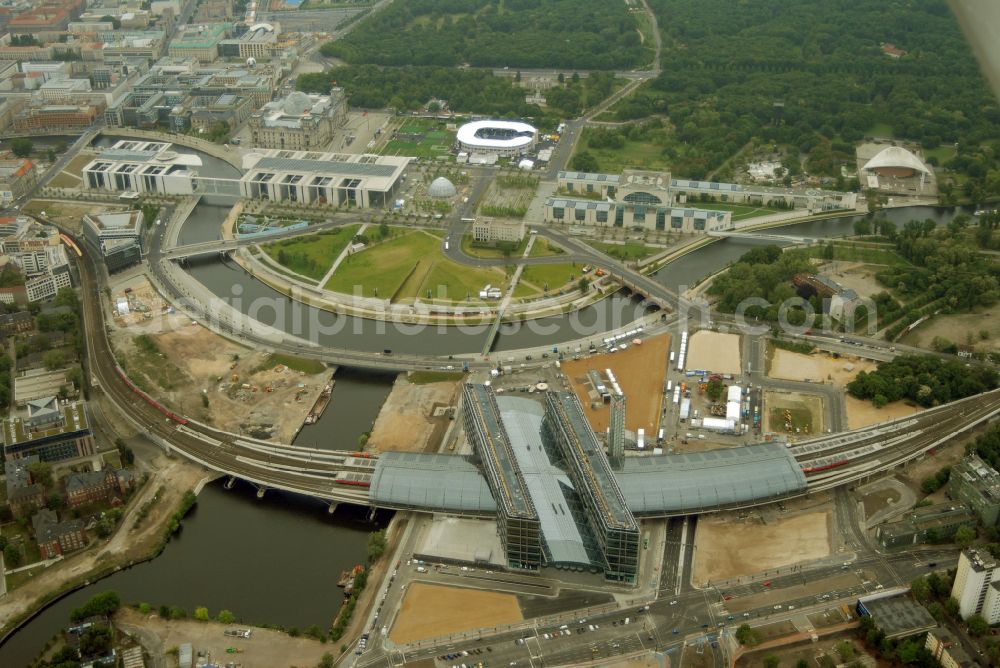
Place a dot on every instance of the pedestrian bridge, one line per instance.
(764, 236)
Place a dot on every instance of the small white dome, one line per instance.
(441, 187)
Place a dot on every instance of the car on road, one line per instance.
(673, 602)
(767, 583)
(777, 607)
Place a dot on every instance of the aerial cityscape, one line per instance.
(488, 333)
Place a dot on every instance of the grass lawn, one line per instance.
(69, 177)
(311, 255)
(553, 275)
(634, 154)
(740, 211)
(294, 363)
(942, 153)
(626, 252)
(523, 290)
(379, 271)
(489, 253)
(880, 130)
(406, 267)
(542, 248)
(433, 141)
(455, 282)
(851, 253)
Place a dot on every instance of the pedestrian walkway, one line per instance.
(340, 258)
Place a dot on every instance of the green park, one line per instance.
(312, 255)
(406, 267)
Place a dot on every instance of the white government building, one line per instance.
(655, 201)
(272, 174)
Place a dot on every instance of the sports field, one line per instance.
(429, 611)
(406, 267)
(421, 138)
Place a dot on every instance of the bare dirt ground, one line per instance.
(959, 329)
(727, 548)
(68, 214)
(129, 543)
(817, 367)
(796, 402)
(640, 371)
(714, 351)
(429, 611)
(863, 413)
(407, 421)
(265, 647)
(243, 395)
(855, 275)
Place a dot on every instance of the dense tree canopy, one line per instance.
(585, 34)
(987, 446)
(407, 88)
(761, 273)
(726, 64)
(928, 381)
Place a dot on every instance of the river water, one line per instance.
(276, 560)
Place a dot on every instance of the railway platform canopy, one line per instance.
(661, 485)
(431, 482)
(652, 486)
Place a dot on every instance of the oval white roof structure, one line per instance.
(896, 157)
(441, 187)
(496, 134)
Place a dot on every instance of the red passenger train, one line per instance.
(150, 400)
(825, 467)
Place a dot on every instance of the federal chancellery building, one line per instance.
(655, 201)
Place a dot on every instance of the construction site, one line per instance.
(416, 414)
(235, 389)
(640, 370)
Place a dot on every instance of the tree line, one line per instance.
(947, 273)
(927, 381)
(584, 34)
(764, 272)
(812, 76)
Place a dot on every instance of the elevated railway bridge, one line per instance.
(668, 484)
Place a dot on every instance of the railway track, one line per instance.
(343, 477)
(337, 477)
